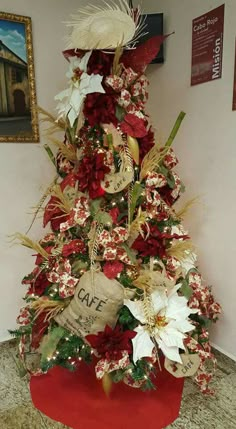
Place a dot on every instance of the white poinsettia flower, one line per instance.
(163, 320)
(80, 84)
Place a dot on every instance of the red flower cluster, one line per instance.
(133, 126)
(100, 109)
(165, 193)
(75, 246)
(38, 282)
(145, 144)
(112, 342)
(155, 244)
(112, 268)
(100, 63)
(91, 172)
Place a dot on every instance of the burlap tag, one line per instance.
(116, 182)
(187, 369)
(95, 304)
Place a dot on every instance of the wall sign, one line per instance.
(207, 46)
(234, 88)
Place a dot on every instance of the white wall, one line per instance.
(205, 146)
(25, 171)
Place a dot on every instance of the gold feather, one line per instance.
(27, 242)
(64, 204)
(52, 308)
(181, 249)
(138, 222)
(41, 202)
(67, 149)
(183, 211)
(150, 161)
(55, 125)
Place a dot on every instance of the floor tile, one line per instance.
(22, 417)
(13, 389)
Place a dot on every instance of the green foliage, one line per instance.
(126, 319)
(185, 289)
(50, 342)
(137, 191)
(175, 129)
(103, 218)
(95, 206)
(50, 154)
(131, 254)
(70, 346)
(117, 375)
(120, 113)
(141, 372)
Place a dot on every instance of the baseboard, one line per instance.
(5, 337)
(224, 352)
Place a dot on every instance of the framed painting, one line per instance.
(18, 105)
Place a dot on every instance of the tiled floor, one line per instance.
(197, 411)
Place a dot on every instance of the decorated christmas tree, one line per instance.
(115, 281)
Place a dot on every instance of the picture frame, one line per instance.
(18, 103)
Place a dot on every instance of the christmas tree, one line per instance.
(115, 281)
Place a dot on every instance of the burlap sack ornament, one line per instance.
(96, 303)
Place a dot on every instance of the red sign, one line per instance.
(207, 46)
(234, 89)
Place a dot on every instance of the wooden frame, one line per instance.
(18, 105)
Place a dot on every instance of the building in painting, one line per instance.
(14, 84)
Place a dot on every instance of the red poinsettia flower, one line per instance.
(155, 244)
(91, 172)
(75, 246)
(139, 58)
(114, 213)
(52, 212)
(112, 268)
(145, 144)
(40, 258)
(100, 109)
(133, 126)
(112, 342)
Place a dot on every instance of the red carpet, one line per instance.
(77, 400)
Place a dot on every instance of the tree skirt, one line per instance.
(77, 400)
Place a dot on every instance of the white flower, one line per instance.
(71, 99)
(163, 320)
